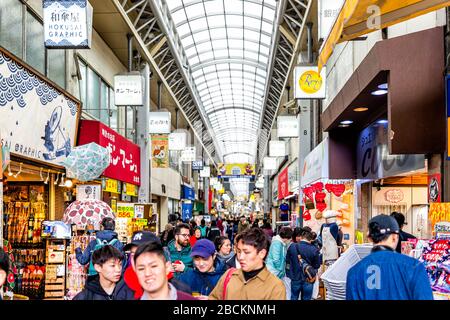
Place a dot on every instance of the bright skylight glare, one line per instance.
(227, 43)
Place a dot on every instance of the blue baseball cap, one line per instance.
(203, 248)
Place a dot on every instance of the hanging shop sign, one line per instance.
(197, 165)
(287, 127)
(130, 189)
(177, 141)
(38, 121)
(160, 152)
(283, 184)
(277, 148)
(186, 211)
(128, 90)
(159, 122)
(111, 185)
(373, 158)
(89, 191)
(270, 163)
(434, 188)
(188, 154)
(328, 12)
(293, 176)
(232, 170)
(67, 24)
(188, 193)
(125, 210)
(205, 172)
(125, 161)
(315, 165)
(439, 212)
(309, 84)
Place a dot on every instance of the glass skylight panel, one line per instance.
(200, 36)
(194, 10)
(178, 16)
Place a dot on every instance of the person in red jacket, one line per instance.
(132, 290)
(196, 236)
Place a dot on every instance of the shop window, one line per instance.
(93, 94)
(56, 66)
(113, 114)
(35, 49)
(11, 19)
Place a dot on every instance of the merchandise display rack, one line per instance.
(55, 279)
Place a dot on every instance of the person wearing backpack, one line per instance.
(106, 236)
(304, 261)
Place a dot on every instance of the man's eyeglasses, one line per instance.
(184, 235)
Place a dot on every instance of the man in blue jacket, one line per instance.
(386, 274)
(107, 235)
(208, 270)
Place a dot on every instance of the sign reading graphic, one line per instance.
(309, 84)
(89, 191)
(37, 120)
(67, 24)
(434, 188)
(236, 170)
(125, 162)
(373, 158)
(128, 90)
(160, 152)
(160, 122)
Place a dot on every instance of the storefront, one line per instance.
(38, 129)
(325, 187)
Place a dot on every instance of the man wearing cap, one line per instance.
(207, 269)
(386, 274)
(403, 236)
(131, 289)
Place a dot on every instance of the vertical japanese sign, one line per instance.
(283, 184)
(434, 188)
(160, 122)
(67, 24)
(160, 151)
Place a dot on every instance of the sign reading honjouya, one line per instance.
(125, 162)
(374, 160)
(37, 120)
(128, 90)
(67, 23)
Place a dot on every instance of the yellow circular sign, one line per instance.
(310, 82)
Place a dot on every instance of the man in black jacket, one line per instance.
(403, 236)
(103, 286)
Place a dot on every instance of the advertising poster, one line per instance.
(160, 151)
(125, 210)
(434, 188)
(236, 170)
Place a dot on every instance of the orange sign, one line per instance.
(439, 212)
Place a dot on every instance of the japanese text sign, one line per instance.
(159, 122)
(128, 90)
(125, 156)
(125, 210)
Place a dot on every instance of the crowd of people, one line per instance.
(241, 260)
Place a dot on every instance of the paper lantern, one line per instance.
(84, 212)
(87, 162)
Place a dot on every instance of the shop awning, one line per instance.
(353, 19)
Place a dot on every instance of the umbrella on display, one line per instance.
(84, 212)
(87, 162)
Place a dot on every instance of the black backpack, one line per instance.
(308, 271)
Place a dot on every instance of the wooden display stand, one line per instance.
(55, 257)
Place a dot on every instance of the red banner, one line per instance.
(125, 156)
(283, 184)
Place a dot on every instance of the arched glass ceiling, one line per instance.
(227, 44)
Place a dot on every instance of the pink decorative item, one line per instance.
(85, 212)
(320, 196)
(338, 189)
(321, 206)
